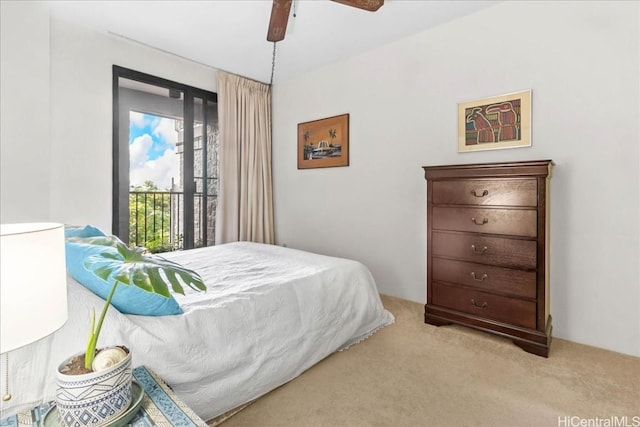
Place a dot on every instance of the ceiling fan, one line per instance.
(280, 15)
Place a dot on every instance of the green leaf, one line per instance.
(175, 283)
(103, 272)
(133, 267)
(192, 279)
(159, 285)
(140, 277)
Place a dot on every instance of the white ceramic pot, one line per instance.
(95, 398)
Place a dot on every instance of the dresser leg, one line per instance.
(435, 321)
(538, 350)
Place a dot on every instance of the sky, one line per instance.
(152, 150)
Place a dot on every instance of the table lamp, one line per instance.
(33, 285)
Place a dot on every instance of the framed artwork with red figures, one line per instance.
(502, 121)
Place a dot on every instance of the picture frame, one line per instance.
(502, 121)
(324, 143)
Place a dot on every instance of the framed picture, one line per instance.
(324, 143)
(498, 122)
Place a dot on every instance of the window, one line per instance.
(165, 162)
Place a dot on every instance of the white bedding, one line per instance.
(269, 314)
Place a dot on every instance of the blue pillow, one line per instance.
(86, 231)
(127, 299)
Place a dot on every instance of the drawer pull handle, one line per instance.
(484, 221)
(484, 193)
(483, 305)
(484, 276)
(481, 251)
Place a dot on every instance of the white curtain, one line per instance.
(245, 203)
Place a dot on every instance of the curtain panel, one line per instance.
(245, 197)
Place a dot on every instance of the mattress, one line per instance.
(269, 314)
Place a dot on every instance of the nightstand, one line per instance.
(160, 407)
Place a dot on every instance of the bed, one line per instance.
(269, 314)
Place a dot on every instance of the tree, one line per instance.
(150, 218)
(332, 133)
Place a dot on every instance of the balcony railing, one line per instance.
(156, 220)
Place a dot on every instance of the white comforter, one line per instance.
(269, 314)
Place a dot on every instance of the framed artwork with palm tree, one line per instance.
(498, 122)
(324, 143)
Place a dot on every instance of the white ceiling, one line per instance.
(230, 35)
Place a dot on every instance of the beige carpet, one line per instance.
(413, 374)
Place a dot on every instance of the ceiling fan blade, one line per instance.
(279, 19)
(370, 5)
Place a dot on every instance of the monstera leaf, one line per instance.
(133, 266)
(121, 265)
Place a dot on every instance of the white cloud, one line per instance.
(159, 170)
(165, 129)
(138, 150)
(137, 119)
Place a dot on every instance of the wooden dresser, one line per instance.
(487, 249)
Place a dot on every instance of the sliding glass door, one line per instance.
(165, 162)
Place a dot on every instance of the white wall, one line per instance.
(25, 143)
(581, 60)
(81, 111)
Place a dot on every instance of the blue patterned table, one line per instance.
(160, 407)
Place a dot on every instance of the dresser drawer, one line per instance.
(504, 252)
(485, 277)
(482, 304)
(506, 192)
(515, 222)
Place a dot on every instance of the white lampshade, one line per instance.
(33, 284)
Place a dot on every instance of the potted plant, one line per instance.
(94, 387)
